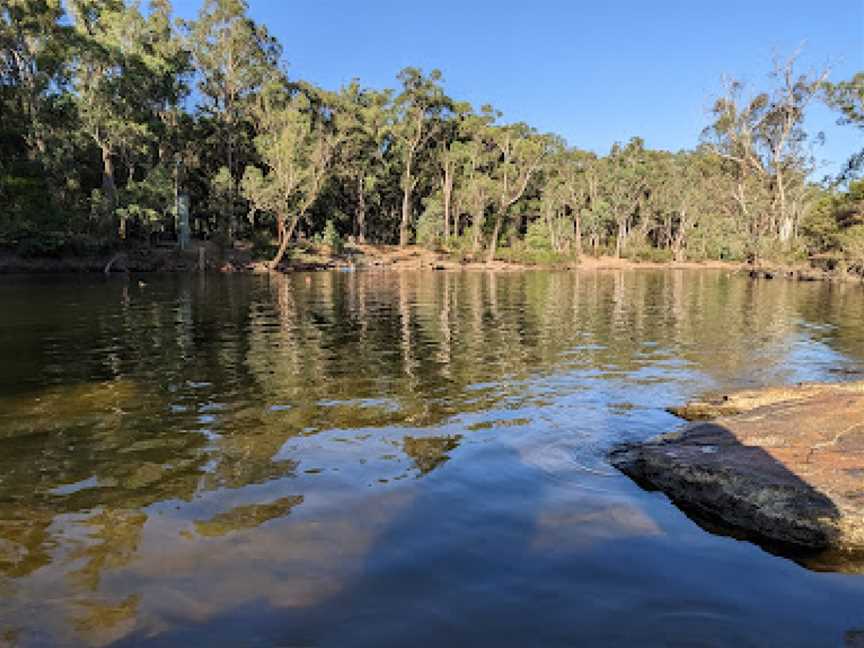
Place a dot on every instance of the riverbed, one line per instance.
(391, 458)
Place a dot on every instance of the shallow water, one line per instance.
(382, 459)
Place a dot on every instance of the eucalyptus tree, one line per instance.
(764, 138)
(671, 208)
(733, 136)
(421, 111)
(475, 190)
(33, 55)
(449, 156)
(102, 82)
(785, 137)
(129, 74)
(233, 57)
(574, 178)
(847, 97)
(554, 207)
(625, 184)
(520, 152)
(38, 175)
(596, 214)
(297, 145)
(562, 197)
(363, 120)
(473, 156)
(167, 55)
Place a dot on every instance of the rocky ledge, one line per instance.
(784, 466)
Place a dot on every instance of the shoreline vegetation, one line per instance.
(126, 131)
(204, 257)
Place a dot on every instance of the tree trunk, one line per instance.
(280, 230)
(619, 240)
(578, 234)
(493, 243)
(677, 243)
(286, 239)
(550, 226)
(407, 191)
(360, 216)
(787, 224)
(109, 187)
(447, 190)
(406, 218)
(477, 226)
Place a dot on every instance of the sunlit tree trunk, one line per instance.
(577, 233)
(109, 185)
(360, 216)
(493, 242)
(447, 191)
(407, 194)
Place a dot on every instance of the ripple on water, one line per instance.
(356, 452)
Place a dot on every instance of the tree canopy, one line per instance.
(110, 110)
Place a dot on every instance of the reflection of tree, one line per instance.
(103, 622)
(246, 517)
(10, 636)
(208, 384)
(430, 452)
(843, 306)
(111, 543)
(25, 542)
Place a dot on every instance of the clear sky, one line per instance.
(594, 72)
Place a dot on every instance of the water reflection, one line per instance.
(175, 453)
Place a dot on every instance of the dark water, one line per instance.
(390, 459)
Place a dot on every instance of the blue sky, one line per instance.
(594, 72)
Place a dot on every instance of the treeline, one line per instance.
(111, 112)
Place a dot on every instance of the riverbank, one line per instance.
(243, 258)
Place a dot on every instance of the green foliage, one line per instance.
(848, 98)
(537, 237)
(852, 246)
(262, 245)
(330, 237)
(520, 253)
(147, 204)
(45, 245)
(650, 254)
(96, 138)
(430, 225)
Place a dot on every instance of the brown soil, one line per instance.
(357, 256)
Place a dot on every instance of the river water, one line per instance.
(376, 459)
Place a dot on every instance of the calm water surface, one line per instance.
(379, 459)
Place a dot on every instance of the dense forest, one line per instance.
(109, 112)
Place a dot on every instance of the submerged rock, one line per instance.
(780, 465)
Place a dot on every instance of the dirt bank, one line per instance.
(307, 257)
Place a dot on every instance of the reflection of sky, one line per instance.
(313, 441)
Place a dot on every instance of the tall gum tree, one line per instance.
(33, 53)
(421, 109)
(847, 97)
(521, 152)
(116, 74)
(234, 56)
(764, 137)
(297, 145)
(363, 122)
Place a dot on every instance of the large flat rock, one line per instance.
(782, 465)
